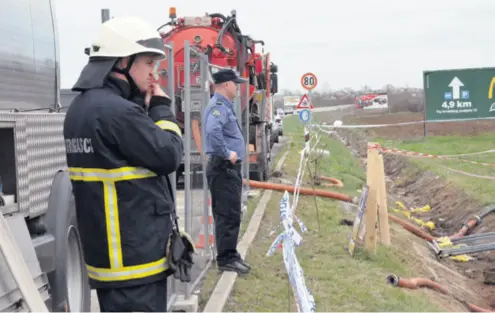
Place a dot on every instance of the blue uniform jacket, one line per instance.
(222, 131)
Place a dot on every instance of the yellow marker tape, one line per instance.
(407, 213)
(462, 258)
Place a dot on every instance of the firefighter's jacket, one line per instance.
(118, 158)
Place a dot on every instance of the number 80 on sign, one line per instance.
(309, 81)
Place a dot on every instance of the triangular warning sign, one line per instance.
(304, 103)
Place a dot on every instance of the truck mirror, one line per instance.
(274, 84)
(273, 68)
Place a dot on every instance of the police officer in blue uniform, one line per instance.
(225, 147)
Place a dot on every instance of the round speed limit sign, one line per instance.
(309, 81)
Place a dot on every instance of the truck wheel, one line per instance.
(69, 285)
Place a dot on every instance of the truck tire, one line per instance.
(69, 285)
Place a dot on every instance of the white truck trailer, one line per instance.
(37, 204)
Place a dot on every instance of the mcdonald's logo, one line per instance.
(490, 89)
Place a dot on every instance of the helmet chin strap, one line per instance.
(126, 72)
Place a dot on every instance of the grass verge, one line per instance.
(475, 187)
(481, 189)
(212, 276)
(337, 281)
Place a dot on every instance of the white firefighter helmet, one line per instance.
(118, 38)
(125, 36)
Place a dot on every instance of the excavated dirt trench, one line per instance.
(450, 205)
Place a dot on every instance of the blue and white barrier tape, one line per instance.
(304, 299)
(290, 238)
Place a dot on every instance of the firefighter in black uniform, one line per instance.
(119, 154)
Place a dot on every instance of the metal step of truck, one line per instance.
(19, 269)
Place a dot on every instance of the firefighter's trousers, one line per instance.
(150, 297)
(225, 184)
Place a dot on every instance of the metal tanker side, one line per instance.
(35, 191)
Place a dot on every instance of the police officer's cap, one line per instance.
(227, 75)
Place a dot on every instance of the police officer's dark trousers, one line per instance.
(225, 184)
(151, 297)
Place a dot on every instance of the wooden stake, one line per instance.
(371, 203)
(384, 229)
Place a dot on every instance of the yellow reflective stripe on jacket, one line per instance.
(128, 272)
(113, 175)
(109, 177)
(113, 225)
(167, 125)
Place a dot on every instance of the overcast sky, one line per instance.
(347, 43)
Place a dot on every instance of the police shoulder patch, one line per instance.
(216, 112)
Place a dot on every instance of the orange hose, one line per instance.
(303, 191)
(332, 185)
(415, 283)
(413, 229)
(418, 282)
(466, 228)
(335, 182)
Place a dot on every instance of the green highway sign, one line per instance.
(459, 94)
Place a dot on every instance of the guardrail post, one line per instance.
(186, 104)
(170, 90)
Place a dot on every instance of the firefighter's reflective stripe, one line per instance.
(113, 225)
(113, 175)
(167, 125)
(128, 272)
(117, 270)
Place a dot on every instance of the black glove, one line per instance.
(180, 255)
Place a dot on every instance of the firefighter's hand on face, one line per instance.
(154, 90)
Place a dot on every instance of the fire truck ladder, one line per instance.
(466, 245)
(19, 269)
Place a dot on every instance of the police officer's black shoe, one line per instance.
(234, 266)
(245, 264)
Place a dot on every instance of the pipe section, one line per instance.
(418, 282)
(334, 181)
(302, 190)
